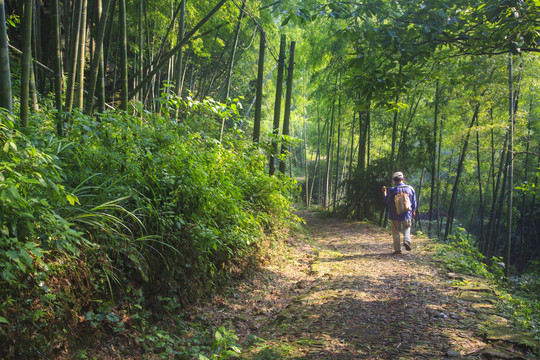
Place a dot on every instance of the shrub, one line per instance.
(124, 202)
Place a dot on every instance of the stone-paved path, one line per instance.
(369, 304)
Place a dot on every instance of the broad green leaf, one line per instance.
(72, 199)
(3, 320)
(218, 336)
(26, 257)
(15, 193)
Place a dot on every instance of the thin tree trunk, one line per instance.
(277, 106)
(336, 175)
(510, 154)
(108, 33)
(98, 56)
(5, 72)
(316, 166)
(82, 56)
(525, 176)
(498, 229)
(140, 55)
(36, 76)
(330, 134)
(434, 157)
(364, 115)
(179, 73)
(69, 12)
(287, 112)
(57, 67)
(306, 169)
(350, 170)
(402, 147)
(453, 199)
(124, 96)
(258, 96)
(419, 199)
(75, 34)
(26, 66)
(33, 87)
(490, 236)
(439, 180)
(233, 51)
(479, 173)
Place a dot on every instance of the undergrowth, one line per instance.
(519, 296)
(115, 227)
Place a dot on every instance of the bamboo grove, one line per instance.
(399, 96)
(334, 95)
(370, 94)
(448, 94)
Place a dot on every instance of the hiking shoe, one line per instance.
(397, 252)
(407, 246)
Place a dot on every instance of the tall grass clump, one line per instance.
(125, 207)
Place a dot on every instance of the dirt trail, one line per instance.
(368, 304)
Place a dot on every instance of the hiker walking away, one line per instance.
(402, 208)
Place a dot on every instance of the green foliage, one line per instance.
(461, 255)
(224, 345)
(521, 300)
(30, 228)
(519, 296)
(123, 200)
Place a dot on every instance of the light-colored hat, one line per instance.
(398, 175)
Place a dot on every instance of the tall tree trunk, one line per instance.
(5, 72)
(498, 227)
(459, 170)
(69, 13)
(74, 51)
(258, 96)
(350, 170)
(434, 157)
(316, 166)
(402, 147)
(419, 199)
(329, 153)
(306, 169)
(277, 106)
(233, 51)
(124, 97)
(364, 118)
(336, 175)
(510, 154)
(82, 56)
(98, 56)
(179, 72)
(479, 174)
(26, 66)
(491, 236)
(439, 180)
(140, 55)
(524, 204)
(36, 76)
(57, 62)
(108, 33)
(287, 113)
